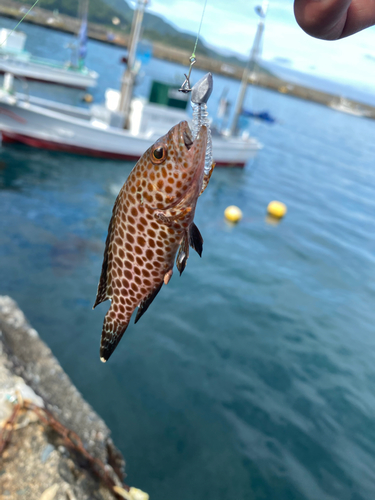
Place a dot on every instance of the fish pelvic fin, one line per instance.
(104, 292)
(195, 239)
(112, 333)
(145, 304)
(183, 253)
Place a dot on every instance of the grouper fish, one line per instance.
(152, 220)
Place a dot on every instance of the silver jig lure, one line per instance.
(200, 94)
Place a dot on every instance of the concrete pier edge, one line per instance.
(34, 461)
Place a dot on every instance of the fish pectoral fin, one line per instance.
(206, 178)
(169, 220)
(145, 304)
(111, 335)
(195, 239)
(183, 253)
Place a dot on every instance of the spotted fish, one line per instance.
(152, 220)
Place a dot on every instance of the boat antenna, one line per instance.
(251, 63)
(19, 22)
(185, 87)
(128, 78)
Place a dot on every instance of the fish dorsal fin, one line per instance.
(102, 293)
(144, 305)
(195, 239)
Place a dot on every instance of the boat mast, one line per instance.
(254, 54)
(130, 72)
(81, 47)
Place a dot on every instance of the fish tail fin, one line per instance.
(112, 332)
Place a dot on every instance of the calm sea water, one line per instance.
(252, 376)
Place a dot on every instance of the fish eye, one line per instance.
(159, 154)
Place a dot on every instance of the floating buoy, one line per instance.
(233, 213)
(276, 209)
(88, 98)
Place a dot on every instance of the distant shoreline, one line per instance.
(67, 24)
(98, 32)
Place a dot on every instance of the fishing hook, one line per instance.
(185, 87)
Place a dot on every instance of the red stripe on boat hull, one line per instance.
(11, 137)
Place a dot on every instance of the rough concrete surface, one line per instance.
(36, 464)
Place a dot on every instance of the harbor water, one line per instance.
(252, 375)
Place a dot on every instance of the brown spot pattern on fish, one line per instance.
(152, 216)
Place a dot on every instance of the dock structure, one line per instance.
(46, 426)
(61, 22)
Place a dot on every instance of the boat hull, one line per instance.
(11, 138)
(48, 74)
(37, 126)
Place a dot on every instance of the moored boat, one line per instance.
(346, 106)
(122, 128)
(20, 63)
(98, 132)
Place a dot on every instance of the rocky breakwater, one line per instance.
(52, 443)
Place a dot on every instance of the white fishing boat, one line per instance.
(20, 63)
(122, 128)
(98, 132)
(346, 106)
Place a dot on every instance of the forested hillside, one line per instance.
(155, 28)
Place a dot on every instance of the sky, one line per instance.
(231, 25)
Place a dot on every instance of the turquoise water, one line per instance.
(251, 376)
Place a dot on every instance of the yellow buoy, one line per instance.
(87, 98)
(233, 213)
(277, 209)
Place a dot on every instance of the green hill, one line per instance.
(99, 11)
(154, 28)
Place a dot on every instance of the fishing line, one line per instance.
(199, 31)
(19, 22)
(185, 87)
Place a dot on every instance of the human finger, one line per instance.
(334, 19)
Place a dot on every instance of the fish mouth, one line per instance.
(183, 136)
(187, 138)
(191, 155)
(195, 149)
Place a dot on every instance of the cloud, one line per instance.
(232, 26)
